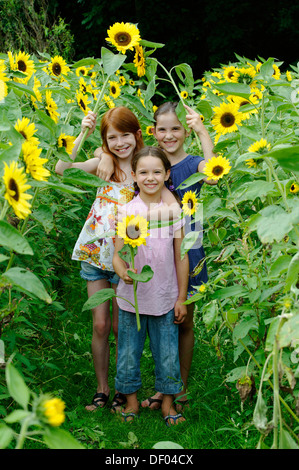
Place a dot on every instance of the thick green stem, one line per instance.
(135, 291)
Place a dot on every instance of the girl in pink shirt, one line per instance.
(160, 300)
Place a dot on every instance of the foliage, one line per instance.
(250, 304)
(28, 25)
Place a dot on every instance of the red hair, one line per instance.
(123, 120)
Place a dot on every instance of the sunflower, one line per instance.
(216, 168)
(16, 187)
(34, 163)
(58, 66)
(66, 141)
(139, 61)
(38, 95)
(82, 101)
(260, 146)
(123, 36)
(3, 89)
(228, 73)
(250, 162)
(227, 118)
(51, 107)
(122, 80)
(133, 229)
(240, 101)
(110, 103)
(184, 94)
(114, 89)
(81, 71)
(190, 202)
(289, 76)
(244, 75)
(84, 87)
(27, 130)
(22, 63)
(149, 130)
(294, 188)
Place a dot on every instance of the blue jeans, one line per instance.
(89, 272)
(163, 334)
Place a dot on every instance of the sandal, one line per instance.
(174, 417)
(100, 400)
(119, 399)
(154, 400)
(125, 416)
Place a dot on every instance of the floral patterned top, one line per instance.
(96, 242)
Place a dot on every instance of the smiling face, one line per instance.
(150, 176)
(121, 144)
(170, 134)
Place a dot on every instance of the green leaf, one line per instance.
(111, 62)
(145, 275)
(210, 314)
(27, 282)
(289, 332)
(136, 103)
(16, 415)
(238, 89)
(286, 441)
(44, 216)
(167, 445)
(266, 70)
(243, 327)
(280, 265)
(195, 178)
(11, 239)
(146, 43)
(274, 224)
(185, 74)
(287, 157)
(232, 291)
(6, 435)
(12, 153)
(56, 438)
(188, 241)
(58, 186)
(16, 385)
(99, 298)
(21, 87)
(293, 272)
(260, 414)
(81, 177)
(251, 190)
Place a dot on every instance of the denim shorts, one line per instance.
(92, 273)
(163, 334)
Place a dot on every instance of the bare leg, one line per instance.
(131, 406)
(100, 337)
(169, 411)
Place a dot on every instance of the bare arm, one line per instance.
(90, 166)
(182, 271)
(194, 122)
(105, 167)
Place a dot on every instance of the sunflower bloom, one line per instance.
(110, 103)
(27, 129)
(216, 168)
(226, 118)
(228, 73)
(66, 141)
(114, 89)
(34, 163)
(83, 102)
(133, 230)
(51, 107)
(38, 94)
(84, 87)
(15, 189)
(123, 36)
(149, 130)
(3, 89)
(244, 75)
(250, 162)
(190, 203)
(58, 66)
(139, 61)
(261, 146)
(54, 411)
(22, 63)
(184, 94)
(294, 188)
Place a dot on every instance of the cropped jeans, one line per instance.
(163, 335)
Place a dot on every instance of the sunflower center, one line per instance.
(63, 142)
(113, 90)
(82, 104)
(133, 232)
(227, 119)
(123, 39)
(56, 69)
(230, 74)
(14, 187)
(23, 134)
(190, 203)
(217, 170)
(22, 66)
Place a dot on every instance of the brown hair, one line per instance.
(153, 152)
(123, 120)
(168, 107)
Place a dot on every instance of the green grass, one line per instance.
(56, 357)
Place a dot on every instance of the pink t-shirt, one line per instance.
(157, 296)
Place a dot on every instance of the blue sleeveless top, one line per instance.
(179, 173)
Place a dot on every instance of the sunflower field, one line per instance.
(247, 313)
